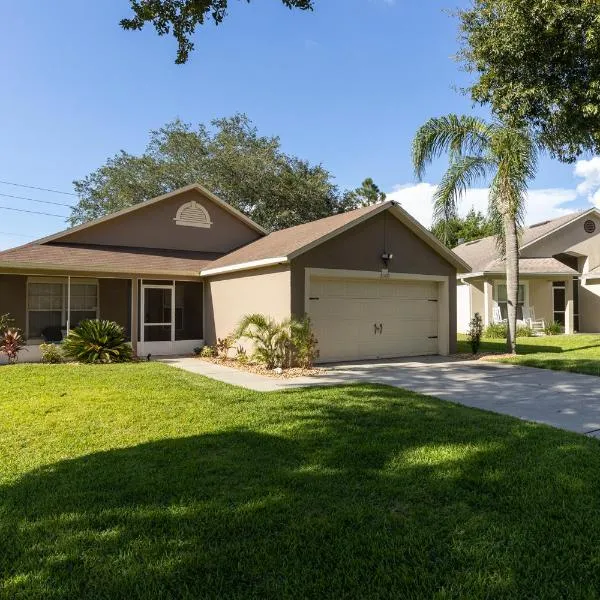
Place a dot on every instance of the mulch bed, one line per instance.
(262, 370)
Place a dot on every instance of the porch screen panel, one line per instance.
(188, 310)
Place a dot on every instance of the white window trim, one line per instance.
(64, 310)
(498, 282)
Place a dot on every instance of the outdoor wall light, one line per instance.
(386, 257)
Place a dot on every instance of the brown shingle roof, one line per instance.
(113, 259)
(482, 254)
(284, 242)
(533, 265)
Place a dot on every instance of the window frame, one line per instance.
(64, 282)
(524, 284)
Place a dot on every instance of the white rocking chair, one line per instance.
(538, 325)
(497, 316)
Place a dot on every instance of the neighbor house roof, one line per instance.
(533, 265)
(111, 259)
(483, 255)
(282, 246)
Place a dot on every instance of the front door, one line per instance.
(158, 316)
(559, 296)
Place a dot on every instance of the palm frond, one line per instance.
(462, 173)
(452, 134)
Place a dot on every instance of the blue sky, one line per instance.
(346, 85)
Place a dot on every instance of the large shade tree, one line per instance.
(458, 230)
(494, 153)
(228, 156)
(537, 63)
(181, 17)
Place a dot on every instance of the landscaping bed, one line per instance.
(259, 369)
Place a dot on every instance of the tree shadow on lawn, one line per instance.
(384, 495)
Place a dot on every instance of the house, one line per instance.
(181, 270)
(559, 275)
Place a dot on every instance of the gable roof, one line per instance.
(114, 215)
(483, 255)
(284, 245)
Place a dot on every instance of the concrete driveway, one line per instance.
(565, 400)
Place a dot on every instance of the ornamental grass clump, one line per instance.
(96, 341)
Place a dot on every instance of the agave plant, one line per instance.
(11, 343)
(94, 341)
(270, 339)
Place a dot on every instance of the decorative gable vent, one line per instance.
(589, 226)
(193, 214)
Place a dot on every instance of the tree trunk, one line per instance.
(512, 280)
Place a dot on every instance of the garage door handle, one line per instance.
(380, 328)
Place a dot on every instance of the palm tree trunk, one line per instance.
(512, 279)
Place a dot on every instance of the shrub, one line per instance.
(553, 328)
(51, 353)
(197, 350)
(475, 332)
(95, 341)
(208, 352)
(270, 339)
(525, 331)
(495, 331)
(11, 343)
(6, 322)
(303, 343)
(224, 345)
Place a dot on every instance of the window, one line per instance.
(501, 299)
(47, 305)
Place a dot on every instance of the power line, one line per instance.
(35, 200)
(34, 187)
(32, 212)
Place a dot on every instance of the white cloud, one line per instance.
(589, 170)
(542, 204)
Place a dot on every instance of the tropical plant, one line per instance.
(224, 345)
(480, 151)
(553, 328)
(11, 343)
(6, 321)
(304, 350)
(525, 331)
(97, 341)
(475, 332)
(269, 338)
(51, 353)
(208, 352)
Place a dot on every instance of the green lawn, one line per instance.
(578, 353)
(140, 481)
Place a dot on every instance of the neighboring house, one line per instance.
(559, 275)
(182, 269)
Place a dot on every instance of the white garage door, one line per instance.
(361, 319)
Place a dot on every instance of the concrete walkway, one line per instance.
(565, 400)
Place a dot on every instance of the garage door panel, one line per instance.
(344, 314)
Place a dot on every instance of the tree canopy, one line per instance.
(537, 63)
(181, 17)
(457, 230)
(231, 159)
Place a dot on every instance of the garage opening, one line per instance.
(356, 319)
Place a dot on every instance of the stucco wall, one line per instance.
(230, 297)
(540, 297)
(13, 298)
(360, 249)
(589, 308)
(571, 238)
(154, 227)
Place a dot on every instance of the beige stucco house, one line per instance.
(559, 275)
(181, 270)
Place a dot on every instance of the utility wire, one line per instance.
(34, 200)
(32, 212)
(34, 187)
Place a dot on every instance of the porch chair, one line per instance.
(537, 325)
(497, 315)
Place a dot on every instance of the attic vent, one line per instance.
(193, 214)
(589, 226)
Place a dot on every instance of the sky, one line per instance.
(346, 85)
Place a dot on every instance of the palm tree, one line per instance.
(503, 156)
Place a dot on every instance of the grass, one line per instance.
(578, 353)
(141, 481)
